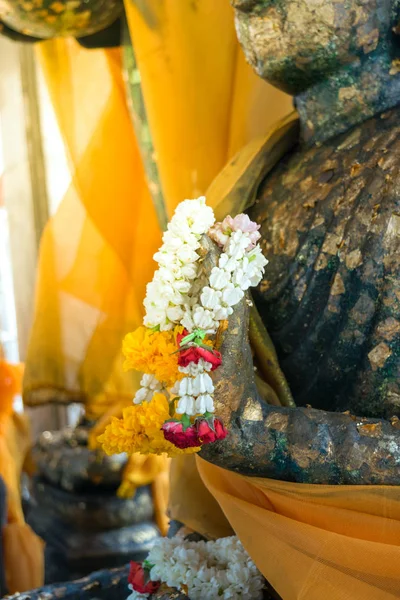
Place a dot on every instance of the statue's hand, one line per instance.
(240, 394)
(281, 442)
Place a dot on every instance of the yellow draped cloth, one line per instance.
(203, 103)
(314, 542)
(23, 550)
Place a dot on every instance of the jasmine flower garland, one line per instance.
(240, 266)
(168, 295)
(214, 569)
(174, 348)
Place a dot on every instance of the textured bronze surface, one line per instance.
(292, 444)
(52, 18)
(330, 299)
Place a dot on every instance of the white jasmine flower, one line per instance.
(182, 286)
(164, 258)
(256, 258)
(186, 254)
(255, 280)
(223, 259)
(174, 313)
(155, 317)
(193, 369)
(198, 215)
(213, 569)
(231, 264)
(204, 403)
(187, 321)
(150, 382)
(157, 294)
(237, 244)
(171, 242)
(150, 385)
(189, 271)
(231, 295)
(186, 386)
(203, 318)
(241, 279)
(186, 405)
(222, 313)
(219, 278)
(163, 275)
(202, 384)
(210, 298)
(143, 394)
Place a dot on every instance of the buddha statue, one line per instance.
(329, 216)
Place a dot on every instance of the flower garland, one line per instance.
(214, 569)
(175, 346)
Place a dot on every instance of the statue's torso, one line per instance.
(330, 225)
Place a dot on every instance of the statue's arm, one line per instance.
(292, 444)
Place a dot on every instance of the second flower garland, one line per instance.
(173, 411)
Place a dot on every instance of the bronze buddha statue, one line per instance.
(330, 223)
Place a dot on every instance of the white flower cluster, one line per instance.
(215, 569)
(195, 390)
(150, 386)
(167, 295)
(238, 269)
(176, 295)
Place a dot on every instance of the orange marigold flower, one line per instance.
(139, 430)
(152, 352)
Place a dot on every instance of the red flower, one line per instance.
(195, 353)
(175, 433)
(210, 430)
(139, 579)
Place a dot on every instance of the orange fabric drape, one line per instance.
(315, 541)
(23, 550)
(95, 256)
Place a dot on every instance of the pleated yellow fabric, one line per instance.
(315, 541)
(95, 257)
(96, 252)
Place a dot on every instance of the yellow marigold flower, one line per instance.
(139, 430)
(152, 352)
